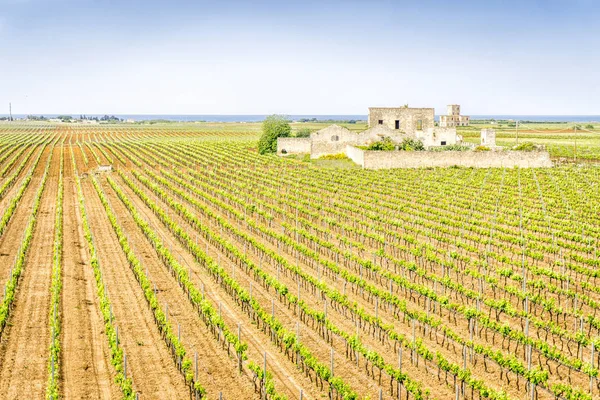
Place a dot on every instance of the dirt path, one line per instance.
(285, 373)
(87, 373)
(25, 345)
(218, 371)
(148, 359)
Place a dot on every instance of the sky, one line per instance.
(527, 57)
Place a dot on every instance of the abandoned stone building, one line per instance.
(395, 123)
(338, 140)
(406, 119)
(453, 117)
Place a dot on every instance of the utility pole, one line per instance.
(575, 154)
(517, 134)
(10, 111)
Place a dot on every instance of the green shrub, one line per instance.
(527, 146)
(589, 126)
(385, 144)
(482, 148)
(273, 127)
(303, 132)
(411, 145)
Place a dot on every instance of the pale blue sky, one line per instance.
(308, 57)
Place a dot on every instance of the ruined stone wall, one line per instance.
(438, 136)
(355, 154)
(408, 118)
(331, 140)
(293, 146)
(421, 159)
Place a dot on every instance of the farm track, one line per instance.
(87, 373)
(217, 371)
(25, 345)
(288, 376)
(149, 362)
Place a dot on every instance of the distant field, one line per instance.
(561, 139)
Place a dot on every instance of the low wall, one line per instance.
(293, 145)
(356, 155)
(319, 149)
(420, 159)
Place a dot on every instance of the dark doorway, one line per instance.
(397, 124)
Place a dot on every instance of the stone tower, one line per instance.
(453, 109)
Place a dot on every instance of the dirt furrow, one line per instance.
(87, 373)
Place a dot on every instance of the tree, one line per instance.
(303, 132)
(273, 127)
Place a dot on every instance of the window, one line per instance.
(335, 138)
(443, 142)
(420, 125)
(380, 122)
(397, 126)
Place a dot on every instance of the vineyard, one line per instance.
(198, 268)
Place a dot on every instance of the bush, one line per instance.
(589, 126)
(411, 145)
(303, 132)
(525, 147)
(482, 148)
(385, 144)
(273, 127)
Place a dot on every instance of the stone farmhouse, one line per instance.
(396, 123)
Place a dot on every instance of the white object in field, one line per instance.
(104, 168)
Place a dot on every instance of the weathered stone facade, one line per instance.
(405, 119)
(290, 145)
(422, 159)
(378, 132)
(453, 117)
(331, 140)
(488, 138)
(434, 137)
